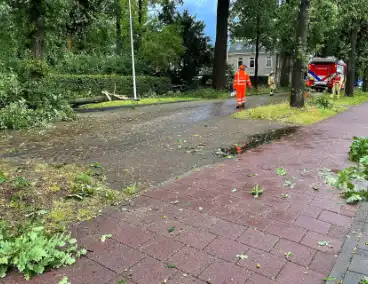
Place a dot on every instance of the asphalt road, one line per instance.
(149, 144)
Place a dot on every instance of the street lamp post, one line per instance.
(132, 49)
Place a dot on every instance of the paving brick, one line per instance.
(199, 220)
(323, 263)
(256, 208)
(195, 237)
(161, 247)
(259, 279)
(227, 199)
(180, 199)
(121, 279)
(114, 255)
(275, 202)
(301, 254)
(312, 224)
(202, 205)
(334, 218)
(158, 194)
(349, 210)
(221, 272)
(311, 211)
(259, 240)
(227, 213)
(359, 264)
(84, 271)
(283, 216)
(201, 183)
(269, 264)
(164, 228)
(191, 261)
(226, 249)
(255, 221)
(198, 192)
(338, 232)
(311, 239)
(227, 229)
(326, 204)
(183, 278)
(131, 235)
(287, 231)
(150, 270)
(296, 274)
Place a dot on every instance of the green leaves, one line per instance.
(358, 149)
(257, 191)
(171, 229)
(281, 172)
(104, 237)
(65, 280)
(34, 251)
(323, 243)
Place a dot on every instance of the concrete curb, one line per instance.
(343, 269)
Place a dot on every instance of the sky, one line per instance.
(204, 10)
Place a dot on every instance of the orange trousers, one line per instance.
(240, 94)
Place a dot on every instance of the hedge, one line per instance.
(76, 86)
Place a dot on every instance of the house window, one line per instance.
(240, 61)
(251, 62)
(268, 62)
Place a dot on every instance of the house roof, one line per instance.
(241, 47)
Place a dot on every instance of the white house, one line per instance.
(242, 54)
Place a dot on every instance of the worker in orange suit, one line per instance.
(241, 81)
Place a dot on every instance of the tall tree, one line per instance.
(219, 65)
(353, 14)
(253, 20)
(297, 84)
(119, 39)
(37, 21)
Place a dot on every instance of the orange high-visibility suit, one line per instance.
(241, 81)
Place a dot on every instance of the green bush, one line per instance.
(100, 64)
(71, 86)
(358, 149)
(18, 115)
(10, 88)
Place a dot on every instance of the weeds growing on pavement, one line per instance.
(353, 181)
(38, 204)
(32, 250)
(257, 191)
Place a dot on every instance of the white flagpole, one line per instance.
(132, 48)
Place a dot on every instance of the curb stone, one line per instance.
(344, 266)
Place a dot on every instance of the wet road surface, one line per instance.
(149, 144)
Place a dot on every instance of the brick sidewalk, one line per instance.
(192, 230)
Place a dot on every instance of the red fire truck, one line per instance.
(322, 72)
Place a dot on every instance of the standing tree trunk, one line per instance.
(365, 79)
(258, 35)
(140, 12)
(297, 84)
(219, 66)
(285, 70)
(349, 88)
(119, 40)
(37, 34)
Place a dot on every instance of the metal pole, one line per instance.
(132, 47)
